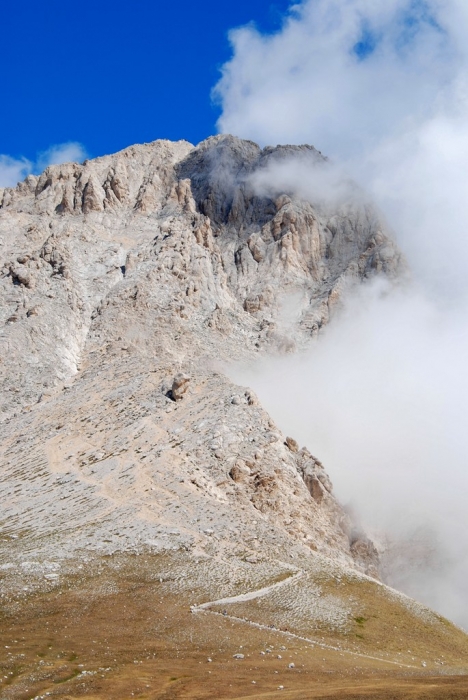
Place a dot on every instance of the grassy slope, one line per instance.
(121, 627)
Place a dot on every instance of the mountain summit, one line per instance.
(128, 280)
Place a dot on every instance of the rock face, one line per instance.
(127, 282)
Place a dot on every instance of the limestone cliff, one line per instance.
(127, 282)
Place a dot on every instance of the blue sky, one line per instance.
(110, 73)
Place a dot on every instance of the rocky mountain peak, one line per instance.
(128, 282)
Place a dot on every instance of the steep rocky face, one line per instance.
(126, 282)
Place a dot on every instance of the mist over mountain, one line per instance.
(382, 91)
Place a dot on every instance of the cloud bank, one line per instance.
(382, 398)
(345, 73)
(13, 170)
(383, 90)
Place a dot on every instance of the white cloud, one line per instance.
(12, 170)
(311, 83)
(382, 88)
(382, 400)
(307, 176)
(71, 152)
(396, 117)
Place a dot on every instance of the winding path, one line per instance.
(260, 593)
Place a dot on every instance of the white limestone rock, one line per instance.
(121, 278)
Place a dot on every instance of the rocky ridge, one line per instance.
(128, 282)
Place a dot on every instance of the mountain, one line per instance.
(129, 284)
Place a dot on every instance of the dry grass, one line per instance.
(118, 632)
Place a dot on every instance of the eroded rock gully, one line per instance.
(126, 282)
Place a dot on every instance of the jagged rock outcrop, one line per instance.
(126, 281)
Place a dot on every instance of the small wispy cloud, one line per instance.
(13, 170)
(71, 152)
